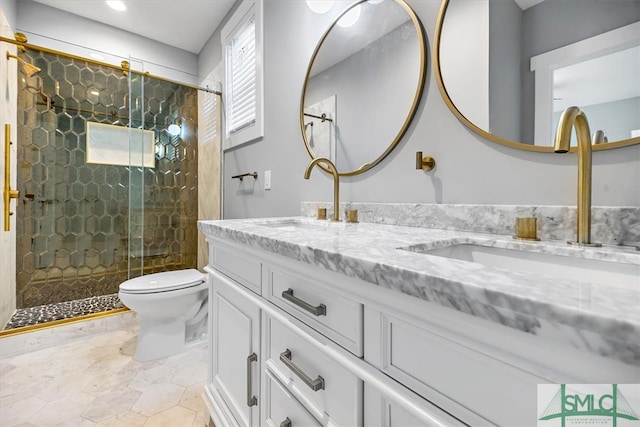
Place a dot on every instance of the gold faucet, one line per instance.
(570, 118)
(336, 182)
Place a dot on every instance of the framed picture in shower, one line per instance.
(119, 145)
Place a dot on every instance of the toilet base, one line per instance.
(171, 308)
(160, 338)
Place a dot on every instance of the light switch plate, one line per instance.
(267, 180)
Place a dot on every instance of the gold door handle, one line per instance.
(8, 193)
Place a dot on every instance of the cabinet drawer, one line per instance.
(380, 411)
(335, 316)
(329, 391)
(282, 409)
(243, 268)
(424, 361)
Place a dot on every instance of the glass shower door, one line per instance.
(72, 212)
(108, 186)
(164, 179)
(139, 160)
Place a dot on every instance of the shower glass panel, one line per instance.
(163, 192)
(89, 219)
(136, 217)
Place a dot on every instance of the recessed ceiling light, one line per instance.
(320, 6)
(117, 5)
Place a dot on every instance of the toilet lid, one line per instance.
(163, 282)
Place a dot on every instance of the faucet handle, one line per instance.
(352, 215)
(526, 228)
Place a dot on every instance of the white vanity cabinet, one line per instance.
(441, 367)
(483, 373)
(235, 347)
(287, 349)
(294, 344)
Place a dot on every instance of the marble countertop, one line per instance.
(601, 318)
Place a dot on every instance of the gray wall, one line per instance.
(504, 68)
(553, 24)
(210, 56)
(470, 169)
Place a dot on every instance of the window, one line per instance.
(208, 110)
(242, 46)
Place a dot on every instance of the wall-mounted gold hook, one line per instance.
(425, 163)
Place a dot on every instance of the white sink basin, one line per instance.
(560, 266)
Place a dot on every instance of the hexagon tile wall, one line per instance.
(84, 228)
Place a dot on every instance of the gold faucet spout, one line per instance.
(336, 182)
(572, 118)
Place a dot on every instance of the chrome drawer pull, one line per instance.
(286, 423)
(320, 310)
(315, 385)
(251, 400)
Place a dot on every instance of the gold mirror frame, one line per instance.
(483, 133)
(414, 105)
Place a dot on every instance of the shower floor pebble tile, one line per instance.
(63, 310)
(94, 381)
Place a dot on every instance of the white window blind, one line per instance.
(243, 94)
(209, 113)
(241, 87)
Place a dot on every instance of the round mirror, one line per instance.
(508, 68)
(363, 85)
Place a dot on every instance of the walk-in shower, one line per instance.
(90, 214)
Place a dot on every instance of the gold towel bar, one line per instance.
(8, 192)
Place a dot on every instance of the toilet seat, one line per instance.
(163, 282)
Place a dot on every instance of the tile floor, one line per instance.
(94, 381)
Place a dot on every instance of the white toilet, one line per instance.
(171, 308)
